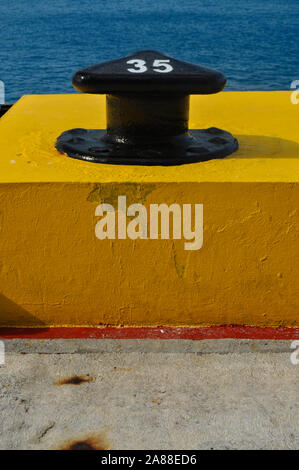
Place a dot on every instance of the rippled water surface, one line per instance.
(254, 42)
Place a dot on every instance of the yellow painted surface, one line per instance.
(265, 123)
(55, 272)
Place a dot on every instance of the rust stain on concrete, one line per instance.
(92, 442)
(75, 380)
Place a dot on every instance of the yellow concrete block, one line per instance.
(54, 271)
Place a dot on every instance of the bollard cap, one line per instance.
(147, 113)
(148, 71)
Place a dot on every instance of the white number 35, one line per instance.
(159, 65)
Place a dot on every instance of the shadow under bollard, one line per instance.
(257, 146)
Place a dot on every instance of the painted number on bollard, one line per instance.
(159, 65)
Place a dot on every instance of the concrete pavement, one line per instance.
(148, 394)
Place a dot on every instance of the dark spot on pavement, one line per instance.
(90, 443)
(81, 445)
(75, 380)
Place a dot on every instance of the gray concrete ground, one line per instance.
(149, 394)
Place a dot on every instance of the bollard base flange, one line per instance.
(95, 145)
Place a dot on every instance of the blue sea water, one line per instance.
(254, 42)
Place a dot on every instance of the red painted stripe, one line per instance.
(209, 332)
